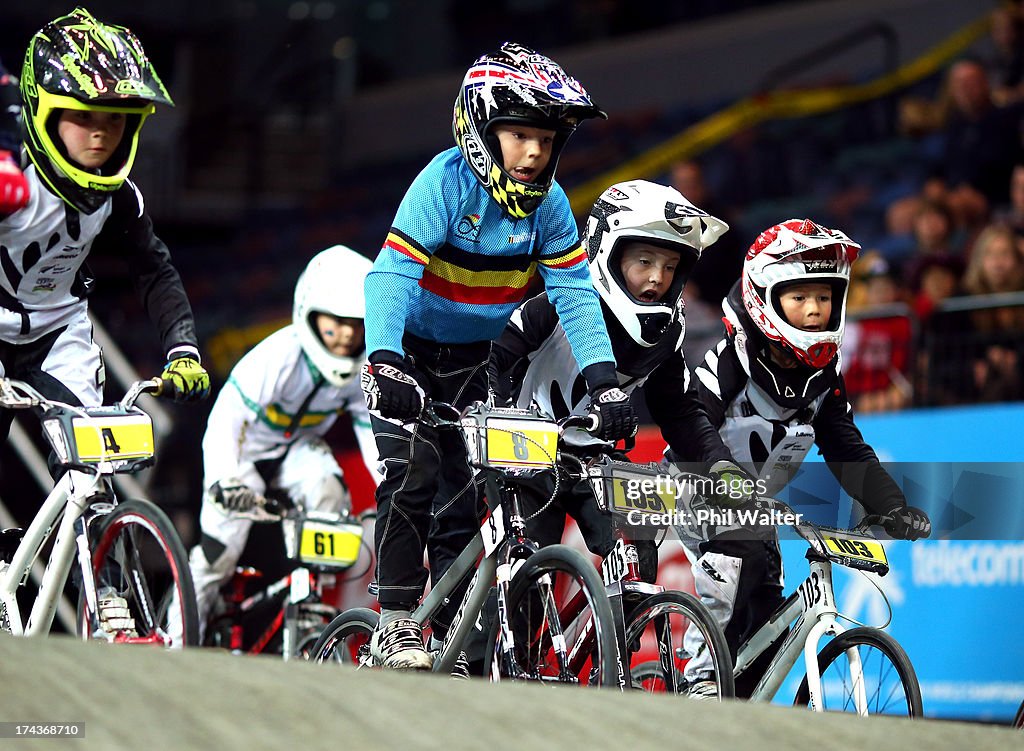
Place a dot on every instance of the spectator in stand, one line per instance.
(982, 139)
(713, 277)
(933, 233)
(1012, 214)
(997, 266)
(877, 347)
(943, 347)
(1007, 62)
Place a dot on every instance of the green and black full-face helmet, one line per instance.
(79, 63)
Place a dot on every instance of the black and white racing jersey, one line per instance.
(531, 362)
(43, 251)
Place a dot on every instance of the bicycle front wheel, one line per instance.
(889, 682)
(665, 626)
(346, 639)
(1018, 719)
(138, 559)
(549, 641)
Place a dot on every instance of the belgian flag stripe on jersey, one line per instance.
(574, 256)
(455, 274)
(402, 243)
(469, 293)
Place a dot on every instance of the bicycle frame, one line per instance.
(812, 612)
(66, 502)
(295, 587)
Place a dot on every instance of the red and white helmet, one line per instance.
(798, 251)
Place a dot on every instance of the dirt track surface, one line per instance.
(146, 700)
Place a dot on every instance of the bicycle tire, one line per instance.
(1018, 719)
(879, 680)
(137, 551)
(535, 658)
(648, 614)
(346, 639)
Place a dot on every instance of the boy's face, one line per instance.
(90, 137)
(808, 307)
(343, 337)
(648, 270)
(525, 150)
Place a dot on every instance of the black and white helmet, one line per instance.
(656, 214)
(331, 283)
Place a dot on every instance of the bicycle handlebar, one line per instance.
(16, 394)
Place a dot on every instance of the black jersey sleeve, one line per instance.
(530, 325)
(128, 234)
(676, 406)
(849, 457)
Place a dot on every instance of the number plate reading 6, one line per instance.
(852, 547)
(521, 443)
(336, 545)
(109, 438)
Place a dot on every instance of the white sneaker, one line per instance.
(114, 615)
(703, 690)
(399, 646)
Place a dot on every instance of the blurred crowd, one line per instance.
(933, 318)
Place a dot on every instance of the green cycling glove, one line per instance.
(184, 379)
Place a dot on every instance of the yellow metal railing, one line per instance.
(714, 129)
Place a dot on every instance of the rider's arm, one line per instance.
(676, 407)
(128, 233)
(569, 284)
(850, 458)
(419, 228)
(529, 326)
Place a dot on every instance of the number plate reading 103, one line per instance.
(521, 443)
(642, 494)
(854, 547)
(336, 545)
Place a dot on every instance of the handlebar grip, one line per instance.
(590, 422)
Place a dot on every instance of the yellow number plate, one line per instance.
(645, 496)
(334, 544)
(521, 443)
(855, 547)
(100, 439)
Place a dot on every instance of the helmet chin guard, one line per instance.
(332, 283)
(793, 252)
(646, 212)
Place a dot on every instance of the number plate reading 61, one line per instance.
(521, 443)
(333, 545)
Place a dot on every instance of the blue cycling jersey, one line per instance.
(455, 265)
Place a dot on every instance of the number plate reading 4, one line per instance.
(864, 550)
(521, 443)
(337, 545)
(109, 438)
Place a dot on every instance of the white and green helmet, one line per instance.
(79, 63)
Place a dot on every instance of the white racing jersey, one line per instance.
(265, 407)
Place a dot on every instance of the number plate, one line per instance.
(641, 495)
(856, 547)
(521, 443)
(615, 565)
(330, 544)
(104, 439)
